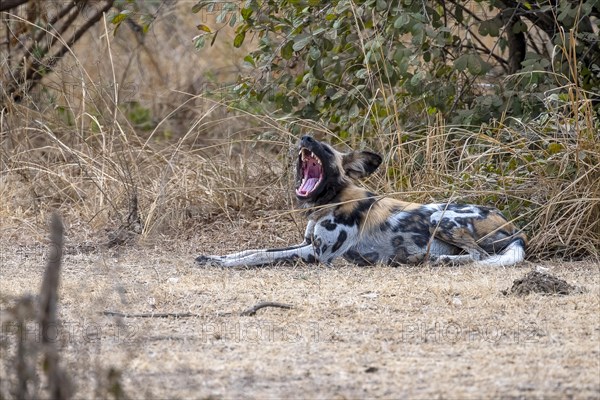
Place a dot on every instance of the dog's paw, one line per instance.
(209, 261)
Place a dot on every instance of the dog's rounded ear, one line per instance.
(360, 164)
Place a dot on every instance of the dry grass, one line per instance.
(164, 137)
(354, 332)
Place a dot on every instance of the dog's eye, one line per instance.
(327, 150)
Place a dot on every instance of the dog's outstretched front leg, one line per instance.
(303, 251)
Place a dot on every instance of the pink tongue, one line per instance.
(308, 185)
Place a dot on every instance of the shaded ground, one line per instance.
(417, 332)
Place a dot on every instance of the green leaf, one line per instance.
(287, 51)
(199, 41)
(361, 73)
(490, 27)
(459, 14)
(339, 94)
(472, 63)
(519, 27)
(301, 43)
(250, 60)
(461, 62)
(200, 5)
(246, 13)
(477, 66)
(203, 28)
(418, 78)
(314, 53)
(239, 39)
(401, 21)
(318, 70)
(484, 28)
(554, 148)
(120, 17)
(318, 31)
(354, 111)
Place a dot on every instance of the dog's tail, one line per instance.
(512, 254)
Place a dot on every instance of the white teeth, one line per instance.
(303, 155)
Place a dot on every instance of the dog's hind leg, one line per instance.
(489, 240)
(461, 238)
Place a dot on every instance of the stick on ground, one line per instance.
(248, 312)
(149, 315)
(252, 310)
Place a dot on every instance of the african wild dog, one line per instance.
(346, 220)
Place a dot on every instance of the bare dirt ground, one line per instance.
(381, 332)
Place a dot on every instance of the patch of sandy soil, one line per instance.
(409, 332)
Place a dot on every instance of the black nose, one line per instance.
(307, 139)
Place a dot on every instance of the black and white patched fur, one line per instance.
(350, 222)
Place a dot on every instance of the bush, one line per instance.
(361, 67)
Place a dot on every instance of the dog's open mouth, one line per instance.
(310, 171)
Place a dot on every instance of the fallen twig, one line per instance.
(149, 315)
(252, 310)
(248, 312)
